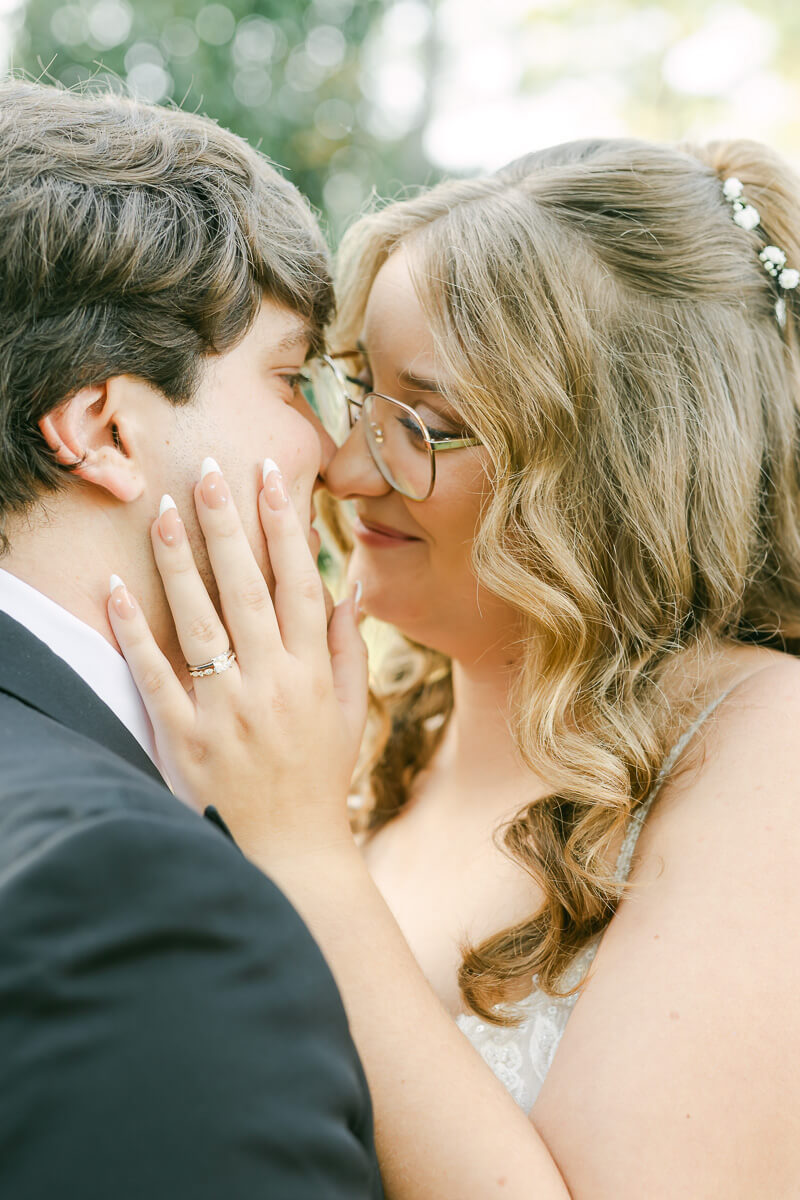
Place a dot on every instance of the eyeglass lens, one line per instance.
(326, 392)
(399, 446)
(395, 435)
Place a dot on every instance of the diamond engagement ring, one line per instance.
(216, 666)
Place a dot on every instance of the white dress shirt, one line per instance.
(85, 650)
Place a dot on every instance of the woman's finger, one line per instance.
(244, 596)
(299, 593)
(200, 631)
(349, 664)
(167, 704)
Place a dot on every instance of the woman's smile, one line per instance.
(373, 533)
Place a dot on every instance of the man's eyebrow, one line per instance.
(301, 333)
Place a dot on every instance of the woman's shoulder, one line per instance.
(691, 1010)
(739, 776)
(755, 672)
(751, 733)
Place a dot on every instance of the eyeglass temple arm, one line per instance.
(455, 444)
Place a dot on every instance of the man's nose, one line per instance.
(351, 471)
(327, 446)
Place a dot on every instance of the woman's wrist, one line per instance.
(299, 849)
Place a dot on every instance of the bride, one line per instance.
(564, 408)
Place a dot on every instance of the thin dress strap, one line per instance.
(640, 816)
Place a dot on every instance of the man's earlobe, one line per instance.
(86, 433)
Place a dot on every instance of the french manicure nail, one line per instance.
(209, 465)
(213, 487)
(267, 469)
(121, 598)
(358, 592)
(274, 487)
(170, 525)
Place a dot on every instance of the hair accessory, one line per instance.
(772, 258)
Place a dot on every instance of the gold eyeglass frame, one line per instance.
(432, 446)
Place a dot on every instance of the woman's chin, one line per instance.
(387, 605)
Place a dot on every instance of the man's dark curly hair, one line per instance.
(133, 240)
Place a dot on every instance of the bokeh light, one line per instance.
(110, 23)
(215, 24)
(356, 96)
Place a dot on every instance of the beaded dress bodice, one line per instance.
(521, 1055)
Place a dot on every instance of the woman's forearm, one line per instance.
(446, 1129)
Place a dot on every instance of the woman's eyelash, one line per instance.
(295, 379)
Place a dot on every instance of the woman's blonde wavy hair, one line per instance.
(614, 343)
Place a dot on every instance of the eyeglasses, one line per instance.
(402, 446)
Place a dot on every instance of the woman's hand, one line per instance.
(272, 741)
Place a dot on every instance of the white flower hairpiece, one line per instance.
(772, 257)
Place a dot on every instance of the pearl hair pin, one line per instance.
(772, 258)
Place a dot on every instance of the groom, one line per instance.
(168, 1027)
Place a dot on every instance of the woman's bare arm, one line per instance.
(678, 1067)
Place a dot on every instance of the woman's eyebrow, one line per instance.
(419, 383)
(414, 383)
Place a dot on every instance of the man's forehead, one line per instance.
(281, 329)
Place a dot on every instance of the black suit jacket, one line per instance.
(169, 1029)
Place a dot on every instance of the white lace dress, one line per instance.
(521, 1055)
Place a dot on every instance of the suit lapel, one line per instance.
(31, 671)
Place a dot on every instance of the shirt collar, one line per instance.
(94, 659)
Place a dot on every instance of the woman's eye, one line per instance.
(295, 380)
(413, 430)
(441, 435)
(361, 383)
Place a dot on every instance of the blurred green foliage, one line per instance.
(294, 77)
(351, 96)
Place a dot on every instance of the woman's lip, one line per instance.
(314, 541)
(370, 531)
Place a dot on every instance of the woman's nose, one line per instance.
(351, 471)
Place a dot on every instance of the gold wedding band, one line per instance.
(216, 666)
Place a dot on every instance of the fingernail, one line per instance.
(170, 525)
(274, 487)
(121, 598)
(358, 592)
(213, 487)
(269, 466)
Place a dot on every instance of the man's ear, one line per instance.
(88, 433)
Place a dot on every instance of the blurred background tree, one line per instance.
(299, 78)
(517, 75)
(355, 95)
